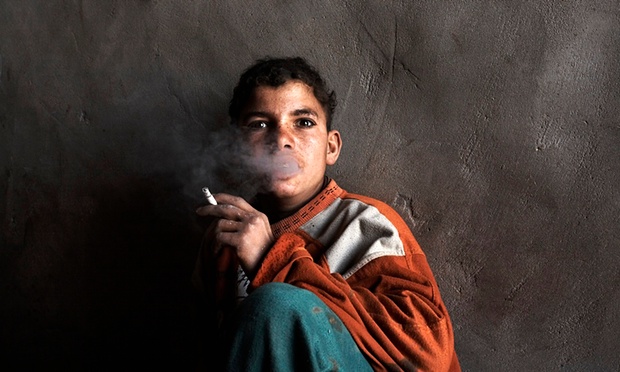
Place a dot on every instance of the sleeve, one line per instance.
(391, 304)
(214, 279)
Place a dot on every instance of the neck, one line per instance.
(278, 209)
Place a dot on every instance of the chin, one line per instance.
(282, 189)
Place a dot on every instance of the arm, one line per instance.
(389, 300)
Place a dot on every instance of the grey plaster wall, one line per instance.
(492, 126)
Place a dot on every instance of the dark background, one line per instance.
(492, 126)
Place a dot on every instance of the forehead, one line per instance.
(291, 95)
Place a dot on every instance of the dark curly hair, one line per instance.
(275, 72)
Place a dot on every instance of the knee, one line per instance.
(274, 299)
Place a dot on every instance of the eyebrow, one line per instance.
(255, 113)
(304, 111)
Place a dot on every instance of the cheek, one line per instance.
(255, 143)
(313, 144)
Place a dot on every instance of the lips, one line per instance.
(284, 166)
(281, 165)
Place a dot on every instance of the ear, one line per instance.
(334, 144)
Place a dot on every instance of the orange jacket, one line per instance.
(359, 257)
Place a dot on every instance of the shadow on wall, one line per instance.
(108, 286)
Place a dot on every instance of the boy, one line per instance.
(336, 281)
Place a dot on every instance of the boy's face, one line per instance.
(286, 130)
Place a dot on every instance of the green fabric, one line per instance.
(283, 328)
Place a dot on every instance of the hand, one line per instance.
(242, 228)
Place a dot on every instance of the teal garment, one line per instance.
(282, 328)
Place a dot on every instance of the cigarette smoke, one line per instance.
(225, 164)
(279, 165)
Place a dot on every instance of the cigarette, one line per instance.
(210, 198)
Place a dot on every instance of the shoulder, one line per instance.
(388, 215)
(344, 205)
(357, 229)
(382, 208)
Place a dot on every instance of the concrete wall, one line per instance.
(492, 126)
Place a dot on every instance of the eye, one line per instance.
(256, 124)
(306, 123)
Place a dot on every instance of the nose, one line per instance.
(283, 137)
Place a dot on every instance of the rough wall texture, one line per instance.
(492, 126)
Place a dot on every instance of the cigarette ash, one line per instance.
(210, 199)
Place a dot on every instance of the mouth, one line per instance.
(278, 166)
(284, 167)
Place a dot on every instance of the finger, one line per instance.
(223, 198)
(237, 201)
(224, 225)
(203, 211)
(230, 239)
(226, 211)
